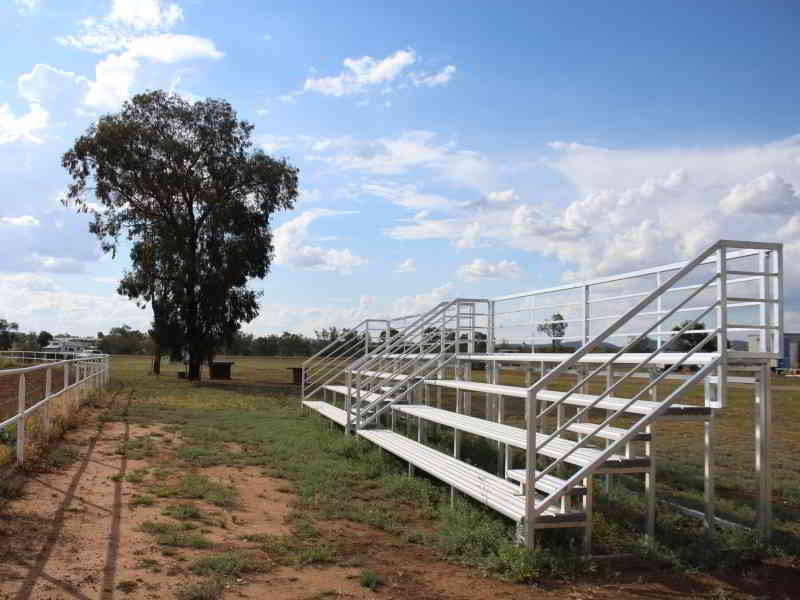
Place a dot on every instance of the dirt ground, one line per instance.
(75, 535)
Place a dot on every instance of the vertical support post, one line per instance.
(763, 471)
(587, 510)
(530, 470)
(722, 324)
(585, 314)
(659, 312)
(48, 390)
(348, 403)
(21, 420)
(777, 306)
(708, 471)
(650, 485)
(609, 478)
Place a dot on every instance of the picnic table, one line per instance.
(297, 375)
(220, 370)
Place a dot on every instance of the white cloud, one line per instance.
(406, 195)
(292, 247)
(273, 143)
(407, 266)
(24, 127)
(26, 7)
(470, 237)
(502, 197)
(434, 79)
(145, 14)
(172, 48)
(134, 31)
(410, 305)
(362, 73)
(482, 269)
(398, 155)
(58, 92)
(308, 195)
(23, 221)
(127, 20)
(768, 194)
(37, 301)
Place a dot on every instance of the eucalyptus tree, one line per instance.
(185, 185)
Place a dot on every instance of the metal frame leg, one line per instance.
(708, 472)
(763, 471)
(650, 487)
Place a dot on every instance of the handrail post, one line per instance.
(530, 469)
(48, 390)
(348, 402)
(722, 325)
(21, 420)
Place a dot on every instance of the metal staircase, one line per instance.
(603, 423)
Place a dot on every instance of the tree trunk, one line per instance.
(156, 359)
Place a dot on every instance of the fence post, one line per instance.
(48, 389)
(21, 421)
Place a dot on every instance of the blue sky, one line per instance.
(445, 149)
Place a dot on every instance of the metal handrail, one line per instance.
(655, 353)
(443, 307)
(432, 335)
(312, 357)
(582, 442)
(584, 472)
(534, 389)
(386, 394)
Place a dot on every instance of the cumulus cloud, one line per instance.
(25, 127)
(26, 7)
(400, 154)
(407, 266)
(482, 269)
(360, 74)
(38, 301)
(145, 14)
(134, 31)
(470, 237)
(434, 79)
(58, 92)
(22, 221)
(768, 194)
(415, 304)
(406, 195)
(292, 246)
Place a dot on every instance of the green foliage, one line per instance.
(178, 535)
(227, 564)
(212, 589)
(554, 328)
(185, 184)
(371, 580)
(183, 512)
(200, 487)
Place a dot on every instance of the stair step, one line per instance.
(335, 414)
(608, 433)
(495, 492)
(385, 375)
(640, 407)
(548, 484)
(518, 438)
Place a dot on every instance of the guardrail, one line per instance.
(35, 406)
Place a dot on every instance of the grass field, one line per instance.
(255, 420)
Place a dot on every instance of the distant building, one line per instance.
(60, 345)
(790, 351)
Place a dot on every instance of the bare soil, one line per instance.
(75, 535)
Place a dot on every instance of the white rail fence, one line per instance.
(38, 402)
